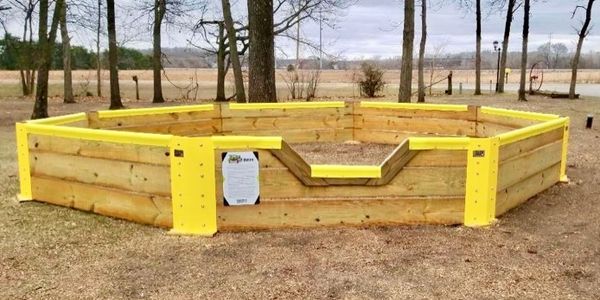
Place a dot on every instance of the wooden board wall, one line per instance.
(125, 181)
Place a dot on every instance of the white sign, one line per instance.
(240, 178)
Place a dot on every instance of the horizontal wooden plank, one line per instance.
(469, 115)
(520, 167)
(513, 149)
(417, 125)
(201, 127)
(136, 177)
(315, 121)
(486, 129)
(137, 207)
(336, 212)
(505, 120)
(281, 183)
(302, 135)
(517, 194)
(226, 112)
(96, 122)
(439, 158)
(98, 149)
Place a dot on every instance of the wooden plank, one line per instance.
(281, 183)
(337, 212)
(505, 121)
(297, 165)
(485, 129)
(96, 122)
(439, 158)
(517, 194)
(387, 136)
(137, 177)
(302, 135)
(417, 125)
(469, 115)
(394, 163)
(513, 149)
(97, 149)
(202, 127)
(226, 112)
(522, 166)
(315, 121)
(137, 207)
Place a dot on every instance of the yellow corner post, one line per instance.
(482, 181)
(565, 148)
(193, 186)
(23, 159)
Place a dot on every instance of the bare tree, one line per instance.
(46, 42)
(508, 22)
(582, 33)
(522, 80)
(113, 58)
(160, 6)
(98, 57)
(407, 51)
(478, 47)
(261, 77)
(27, 60)
(233, 52)
(66, 45)
(422, 45)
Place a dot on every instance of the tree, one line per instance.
(26, 50)
(582, 33)
(422, 45)
(113, 57)
(508, 22)
(478, 47)
(407, 51)
(160, 6)
(524, 51)
(233, 52)
(553, 54)
(46, 42)
(66, 46)
(98, 58)
(261, 77)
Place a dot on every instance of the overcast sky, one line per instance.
(372, 28)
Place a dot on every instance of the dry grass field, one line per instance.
(548, 248)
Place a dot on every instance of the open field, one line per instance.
(548, 248)
(333, 83)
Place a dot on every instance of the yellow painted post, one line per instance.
(23, 160)
(482, 182)
(565, 148)
(193, 186)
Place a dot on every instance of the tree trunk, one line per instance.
(407, 51)
(507, 24)
(261, 77)
(221, 65)
(98, 56)
(582, 34)
(421, 96)
(478, 48)
(46, 46)
(113, 57)
(233, 53)
(522, 96)
(66, 43)
(160, 7)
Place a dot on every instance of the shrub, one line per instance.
(370, 81)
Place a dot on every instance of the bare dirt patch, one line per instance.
(548, 248)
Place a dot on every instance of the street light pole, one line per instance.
(499, 50)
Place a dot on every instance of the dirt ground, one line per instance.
(548, 248)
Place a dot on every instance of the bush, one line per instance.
(370, 81)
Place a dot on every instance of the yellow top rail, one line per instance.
(442, 143)
(290, 105)
(415, 106)
(343, 171)
(60, 120)
(154, 110)
(111, 136)
(530, 131)
(518, 114)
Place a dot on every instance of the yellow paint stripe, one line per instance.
(530, 131)
(60, 120)
(110, 136)
(415, 106)
(565, 149)
(287, 105)
(341, 171)
(247, 142)
(518, 114)
(23, 160)
(154, 110)
(443, 143)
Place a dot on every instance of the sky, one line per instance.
(373, 28)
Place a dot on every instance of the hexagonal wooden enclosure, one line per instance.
(453, 164)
